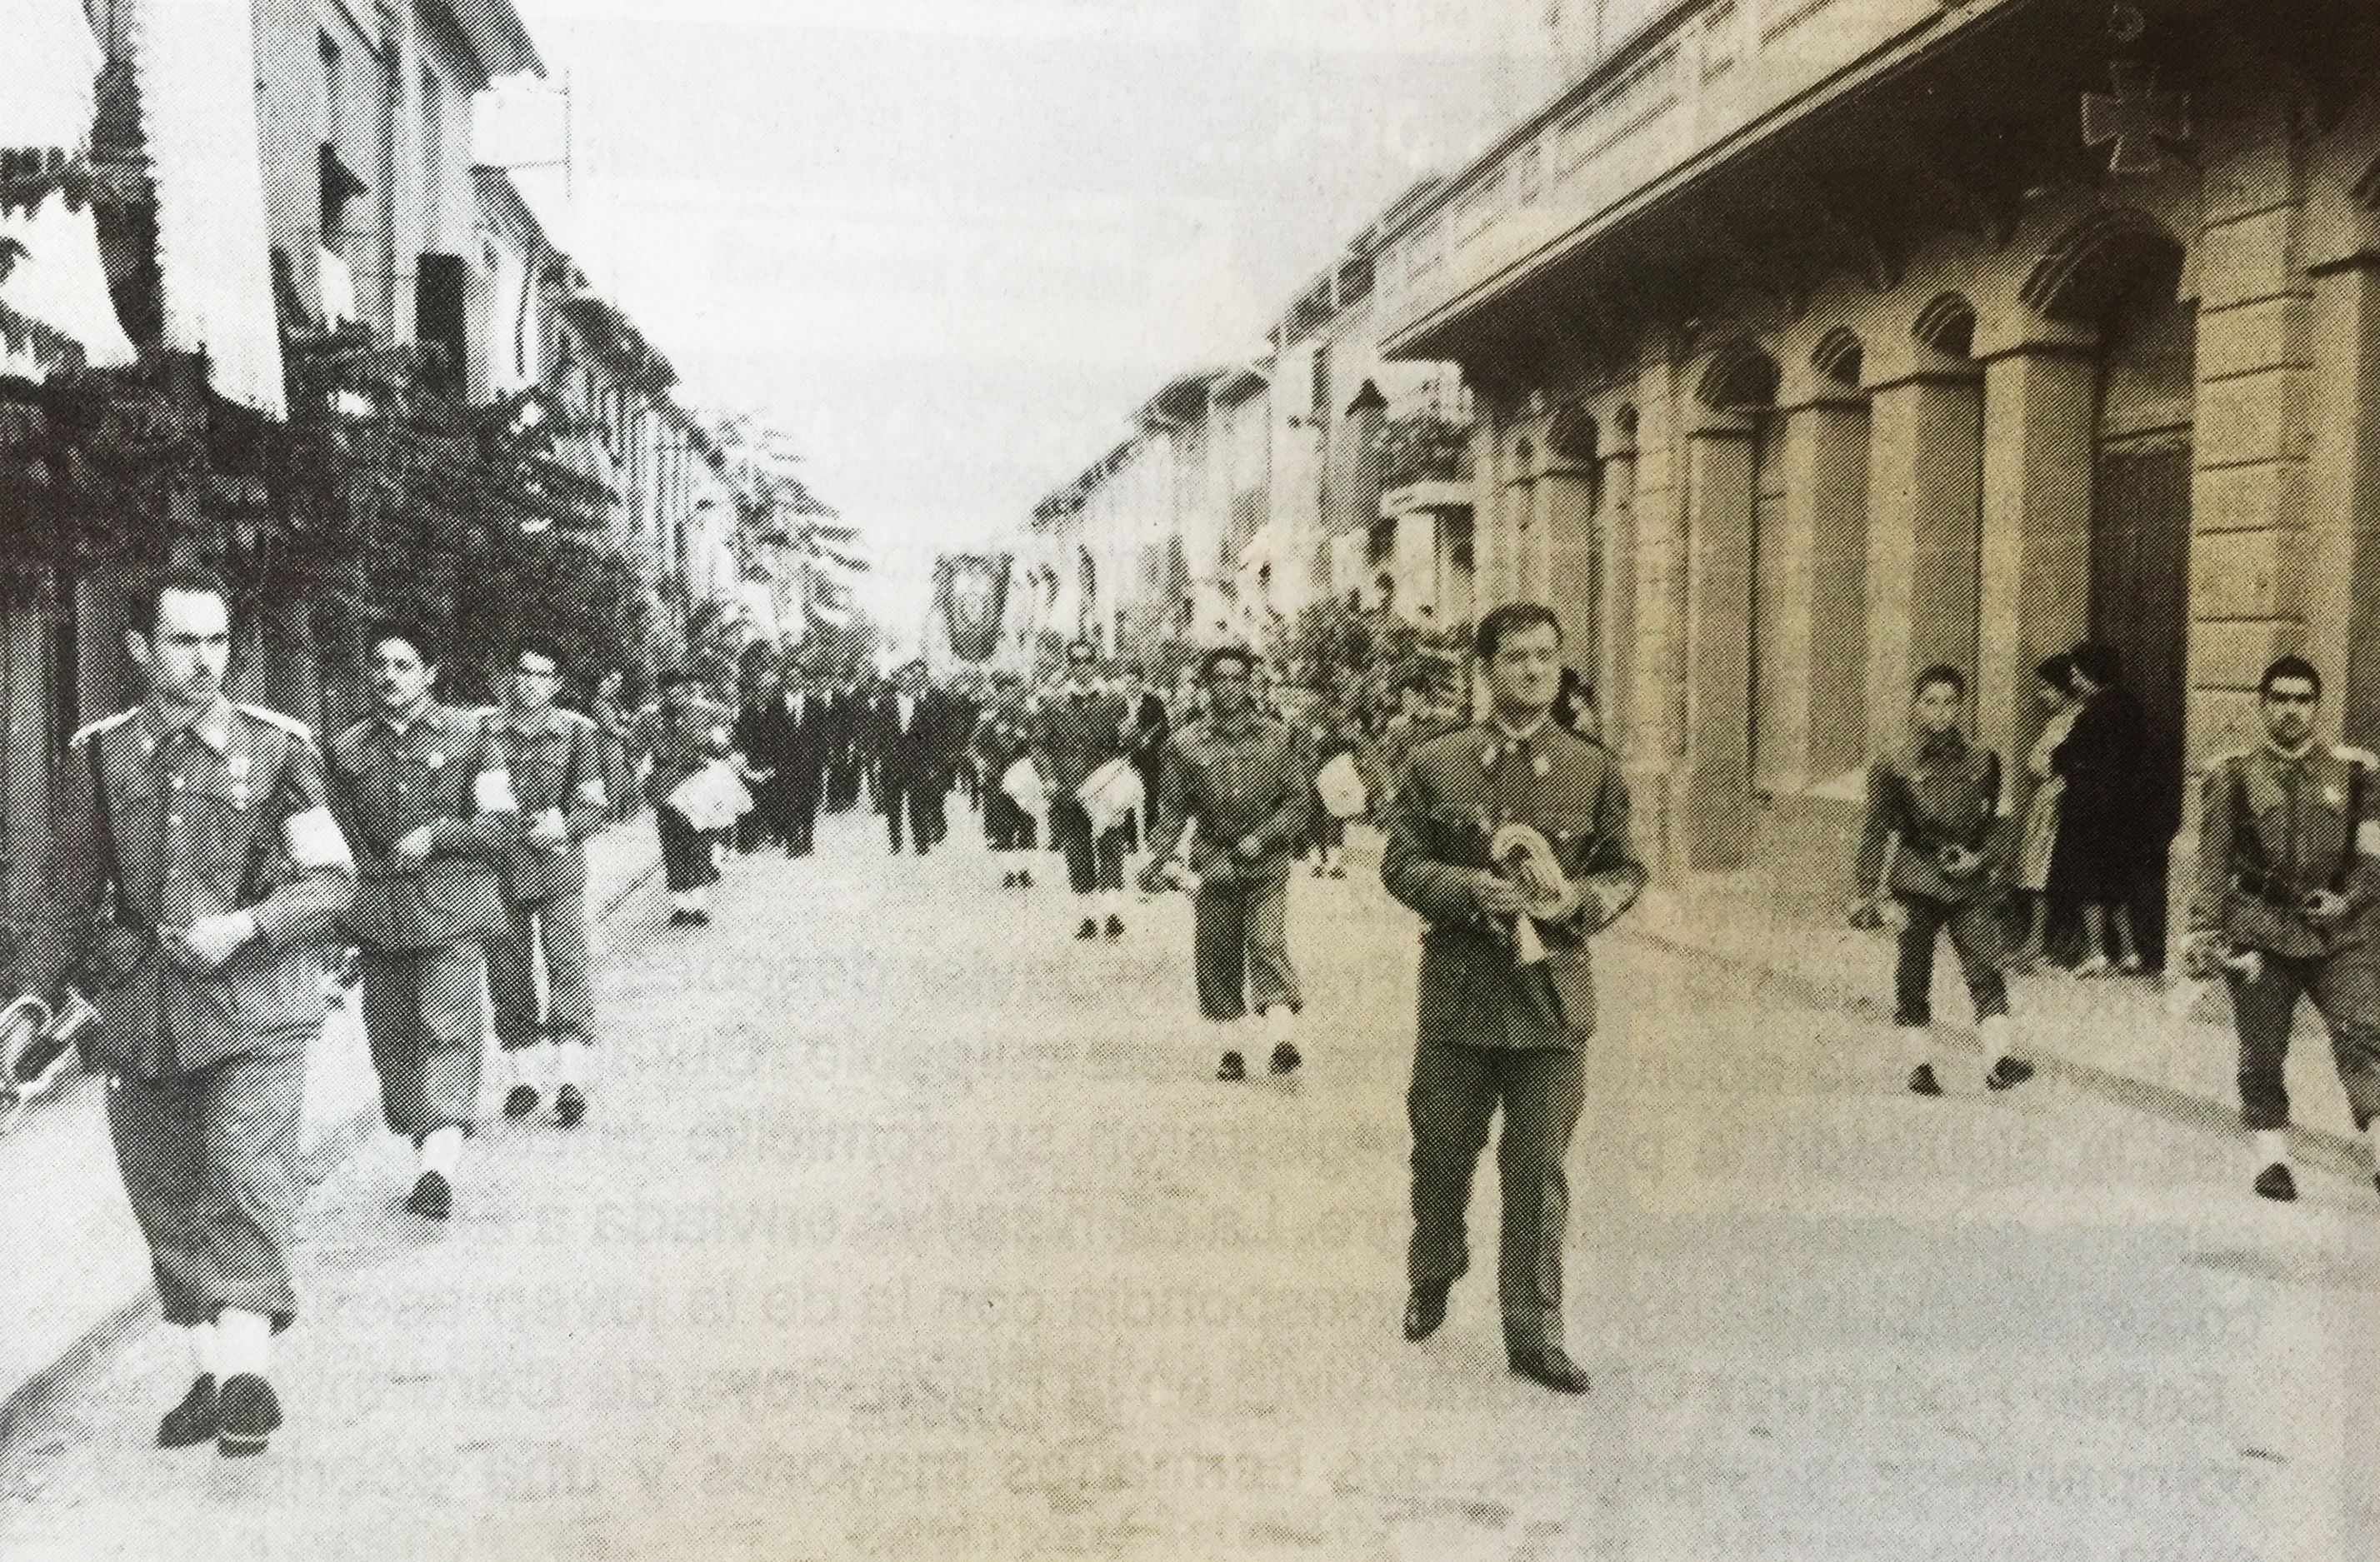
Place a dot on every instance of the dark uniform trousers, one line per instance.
(209, 1161)
(1454, 1094)
(422, 1012)
(1941, 792)
(1491, 1031)
(1240, 943)
(1091, 864)
(557, 930)
(2272, 830)
(685, 851)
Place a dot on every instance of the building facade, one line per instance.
(1820, 340)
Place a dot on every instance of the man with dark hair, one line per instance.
(198, 874)
(1078, 729)
(555, 759)
(2283, 909)
(1931, 858)
(913, 746)
(422, 791)
(791, 740)
(1240, 776)
(682, 734)
(1150, 726)
(1000, 742)
(1510, 836)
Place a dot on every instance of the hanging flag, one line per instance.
(972, 590)
(53, 301)
(195, 63)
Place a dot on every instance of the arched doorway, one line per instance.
(2118, 275)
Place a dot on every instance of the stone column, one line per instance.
(1924, 529)
(2342, 631)
(1615, 615)
(1716, 820)
(2035, 598)
(1813, 643)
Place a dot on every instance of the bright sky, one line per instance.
(949, 245)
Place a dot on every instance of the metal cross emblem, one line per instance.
(2136, 118)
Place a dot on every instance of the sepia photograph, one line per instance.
(1182, 781)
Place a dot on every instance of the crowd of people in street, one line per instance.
(219, 855)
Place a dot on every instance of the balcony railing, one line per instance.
(1670, 93)
(1424, 448)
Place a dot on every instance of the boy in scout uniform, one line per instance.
(555, 759)
(1938, 811)
(1241, 776)
(680, 735)
(1510, 836)
(2283, 908)
(424, 793)
(200, 873)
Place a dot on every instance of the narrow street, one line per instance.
(904, 1227)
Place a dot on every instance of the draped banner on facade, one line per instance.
(971, 590)
(195, 61)
(54, 300)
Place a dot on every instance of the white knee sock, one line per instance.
(2272, 1146)
(570, 1063)
(243, 1341)
(532, 1065)
(681, 900)
(1280, 1023)
(441, 1151)
(1917, 1045)
(204, 1355)
(2372, 1140)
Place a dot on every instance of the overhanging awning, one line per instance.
(54, 299)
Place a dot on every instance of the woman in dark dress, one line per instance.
(2102, 831)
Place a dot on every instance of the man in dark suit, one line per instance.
(793, 736)
(912, 745)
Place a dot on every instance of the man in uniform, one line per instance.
(1077, 729)
(1938, 811)
(422, 791)
(1507, 1003)
(555, 759)
(682, 734)
(999, 741)
(1241, 777)
(2284, 907)
(200, 873)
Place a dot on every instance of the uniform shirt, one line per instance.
(1936, 792)
(1457, 790)
(441, 768)
(1238, 778)
(2277, 827)
(225, 814)
(679, 742)
(556, 761)
(1074, 732)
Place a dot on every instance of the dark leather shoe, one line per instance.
(1024, 879)
(2277, 1183)
(1233, 1067)
(698, 919)
(1286, 1060)
(520, 1101)
(1551, 1367)
(1088, 930)
(248, 1413)
(681, 917)
(2007, 1073)
(1922, 1080)
(1008, 880)
(569, 1106)
(1425, 1309)
(193, 1421)
(1115, 927)
(431, 1197)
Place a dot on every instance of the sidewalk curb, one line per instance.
(2322, 1147)
(31, 1406)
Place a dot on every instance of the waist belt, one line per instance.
(2272, 889)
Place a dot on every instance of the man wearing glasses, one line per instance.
(555, 759)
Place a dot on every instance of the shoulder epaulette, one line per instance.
(103, 724)
(578, 718)
(272, 717)
(2355, 755)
